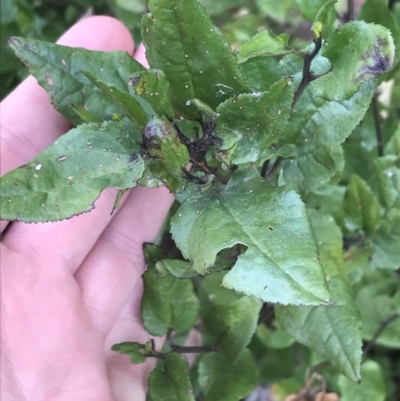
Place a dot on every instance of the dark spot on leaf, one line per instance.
(374, 61)
(133, 158)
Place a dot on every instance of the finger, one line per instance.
(28, 122)
(64, 244)
(115, 264)
(140, 55)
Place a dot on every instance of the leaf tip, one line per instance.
(13, 41)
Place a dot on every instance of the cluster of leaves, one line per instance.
(288, 220)
(49, 19)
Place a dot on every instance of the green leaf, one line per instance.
(283, 11)
(137, 6)
(208, 115)
(330, 242)
(377, 11)
(262, 72)
(381, 287)
(324, 20)
(85, 115)
(178, 268)
(360, 149)
(171, 382)
(66, 178)
(170, 155)
(264, 44)
(308, 171)
(333, 332)
(152, 85)
(255, 120)
(213, 293)
(327, 200)
(372, 386)
(388, 181)
(181, 40)
(238, 379)
(231, 322)
(357, 52)
(361, 208)
(393, 146)
(218, 7)
(313, 164)
(127, 103)
(148, 179)
(57, 69)
(133, 350)
(386, 240)
(274, 338)
(310, 8)
(168, 302)
(280, 264)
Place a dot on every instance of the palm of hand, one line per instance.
(71, 289)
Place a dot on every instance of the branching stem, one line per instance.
(193, 350)
(381, 329)
(308, 76)
(350, 10)
(180, 349)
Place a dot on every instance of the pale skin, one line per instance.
(72, 289)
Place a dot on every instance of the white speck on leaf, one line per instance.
(38, 167)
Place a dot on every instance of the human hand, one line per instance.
(72, 289)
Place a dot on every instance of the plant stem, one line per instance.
(193, 350)
(350, 10)
(391, 4)
(378, 128)
(267, 314)
(381, 329)
(271, 171)
(308, 75)
(264, 168)
(180, 349)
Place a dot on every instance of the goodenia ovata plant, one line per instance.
(262, 128)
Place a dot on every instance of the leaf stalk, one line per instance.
(381, 329)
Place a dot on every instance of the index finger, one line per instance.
(28, 121)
